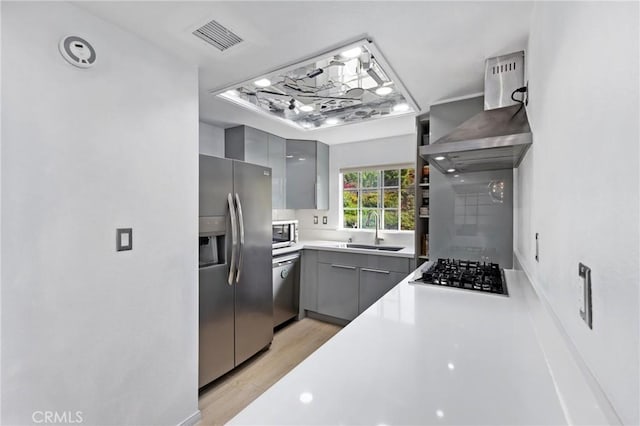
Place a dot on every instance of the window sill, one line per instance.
(382, 231)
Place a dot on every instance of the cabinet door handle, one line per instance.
(343, 267)
(377, 271)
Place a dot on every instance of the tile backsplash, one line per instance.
(357, 236)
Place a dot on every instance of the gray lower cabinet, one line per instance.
(343, 285)
(374, 283)
(309, 281)
(338, 290)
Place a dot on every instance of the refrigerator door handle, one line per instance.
(234, 239)
(241, 223)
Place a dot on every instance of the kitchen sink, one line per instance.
(372, 247)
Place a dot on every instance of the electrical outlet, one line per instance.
(537, 247)
(315, 220)
(585, 305)
(324, 220)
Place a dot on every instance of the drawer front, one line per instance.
(388, 263)
(338, 290)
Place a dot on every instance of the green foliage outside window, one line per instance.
(388, 192)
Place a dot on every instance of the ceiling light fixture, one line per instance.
(401, 108)
(451, 170)
(440, 158)
(373, 97)
(352, 53)
(384, 90)
(263, 82)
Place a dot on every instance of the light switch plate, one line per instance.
(324, 220)
(315, 220)
(124, 239)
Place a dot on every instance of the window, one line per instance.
(389, 192)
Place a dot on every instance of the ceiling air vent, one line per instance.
(217, 35)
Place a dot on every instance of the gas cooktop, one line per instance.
(465, 274)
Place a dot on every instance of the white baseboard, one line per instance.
(192, 419)
(583, 399)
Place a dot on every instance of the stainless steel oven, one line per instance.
(284, 233)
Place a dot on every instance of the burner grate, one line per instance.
(466, 274)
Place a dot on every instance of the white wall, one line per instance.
(85, 328)
(1, 360)
(376, 152)
(211, 140)
(578, 185)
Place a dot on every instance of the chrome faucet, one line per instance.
(377, 239)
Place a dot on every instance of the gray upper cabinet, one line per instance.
(247, 144)
(257, 147)
(307, 175)
(322, 177)
(277, 149)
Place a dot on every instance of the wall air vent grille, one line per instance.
(217, 35)
(498, 69)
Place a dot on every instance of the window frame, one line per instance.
(380, 189)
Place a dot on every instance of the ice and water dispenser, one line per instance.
(212, 232)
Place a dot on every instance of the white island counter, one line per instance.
(422, 355)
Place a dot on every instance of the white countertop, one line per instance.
(342, 247)
(422, 355)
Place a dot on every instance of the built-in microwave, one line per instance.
(284, 233)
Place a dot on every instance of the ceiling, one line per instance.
(437, 49)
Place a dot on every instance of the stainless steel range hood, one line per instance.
(494, 139)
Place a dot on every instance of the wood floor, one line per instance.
(231, 393)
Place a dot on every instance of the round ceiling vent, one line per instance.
(77, 51)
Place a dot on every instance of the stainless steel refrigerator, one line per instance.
(236, 306)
